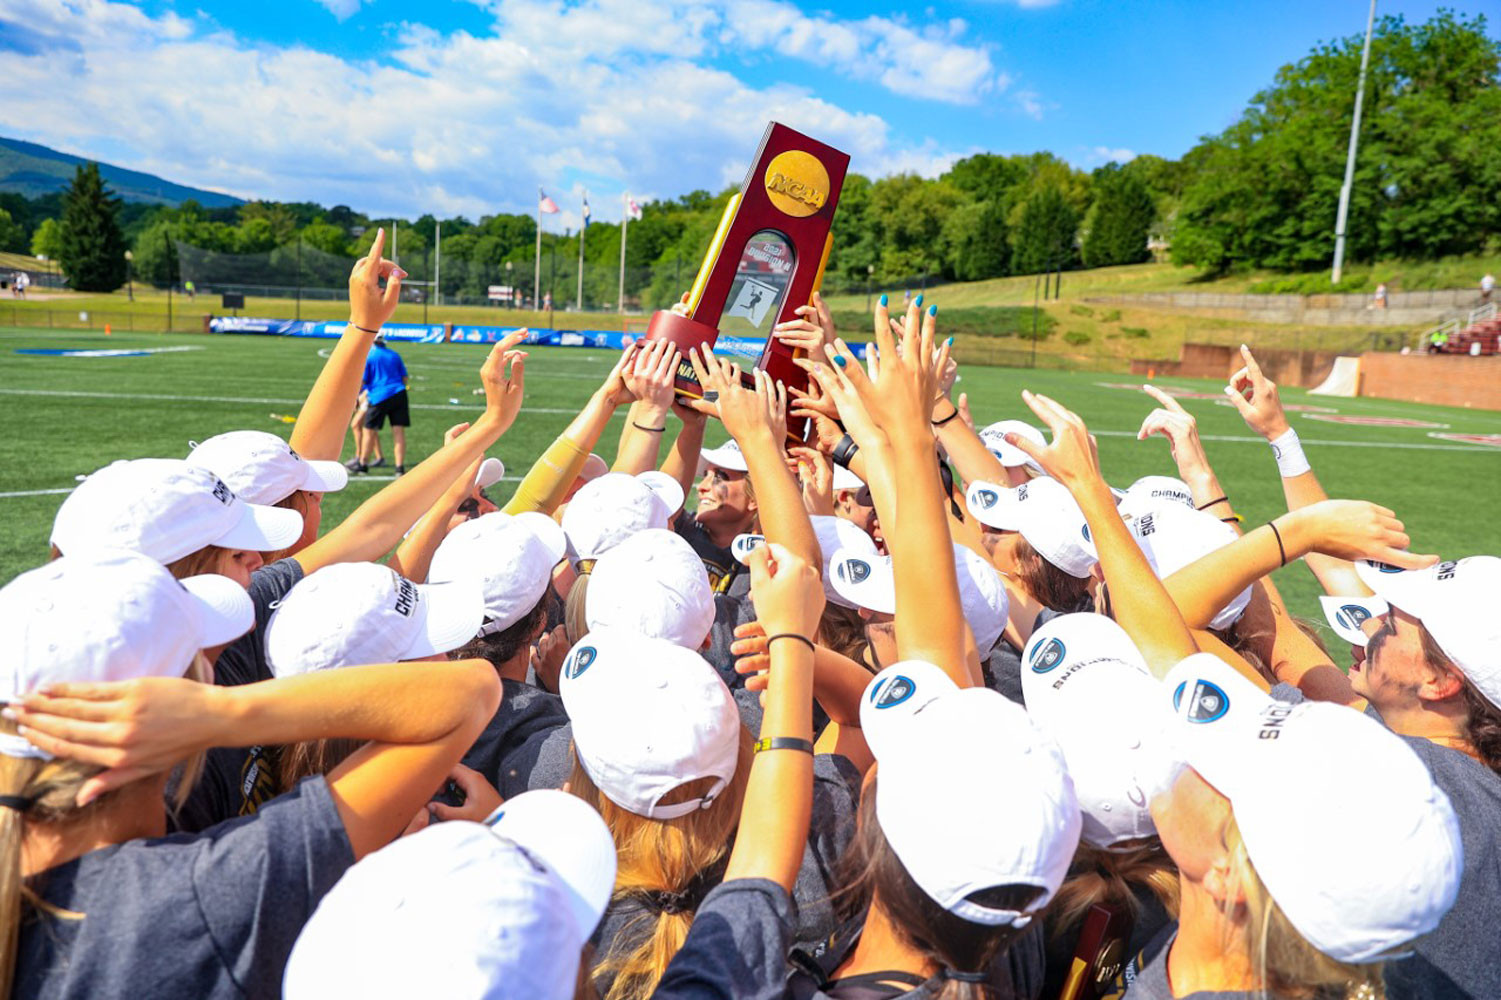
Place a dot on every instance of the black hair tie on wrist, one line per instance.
(792, 635)
(364, 329)
(1211, 503)
(951, 416)
(965, 977)
(1281, 551)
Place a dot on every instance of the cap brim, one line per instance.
(1346, 615)
(455, 612)
(896, 694)
(225, 610)
(723, 458)
(594, 467)
(325, 477)
(875, 591)
(491, 471)
(994, 505)
(844, 479)
(743, 545)
(1407, 589)
(573, 843)
(667, 490)
(263, 529)
(1212, 706)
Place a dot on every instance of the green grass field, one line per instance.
(67, 416)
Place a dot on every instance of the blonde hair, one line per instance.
(1284, 962)
(49, 789)
(575, 620)
(1107, 878)
(663, 856)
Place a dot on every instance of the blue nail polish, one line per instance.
(932, 310)
(950, 341)
(918, 301)
(883, 300)
(839, 360)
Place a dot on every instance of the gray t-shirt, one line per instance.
(1461, 959)
(737, 946)
(1145, 977)
(1003, 672)
(212, 914)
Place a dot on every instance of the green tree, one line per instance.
(155, 254)
(329, 238)
(1044, 237)
(12, 236)
(1117, 224)
(92, 250)
(975, 235)
(47, 241)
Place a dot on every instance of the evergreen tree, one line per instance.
(12, 236)
(1117, 224)
(1045, 231)
(92, 250)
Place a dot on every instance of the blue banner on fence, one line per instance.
(736, 348)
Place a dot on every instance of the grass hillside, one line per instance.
(33, 170)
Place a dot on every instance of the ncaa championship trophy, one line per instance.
(766, 260)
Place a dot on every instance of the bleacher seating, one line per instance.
(1486, 333)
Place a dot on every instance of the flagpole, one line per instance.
(584, 229)
(625, 221)
(537, 278)
(437, 275)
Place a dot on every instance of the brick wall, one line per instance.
(1429, 378)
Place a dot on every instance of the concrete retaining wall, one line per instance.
(1404, 308)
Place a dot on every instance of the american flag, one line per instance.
(546, 204)
(631, 208)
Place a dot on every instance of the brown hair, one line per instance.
(1049, 586)
(1482, 719)
(872, 875)
(663, 857)
(309, 757)
(1108, 878)
(499, 648)
(843, 630)
(209, 559)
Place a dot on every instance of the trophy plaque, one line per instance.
(767, 259)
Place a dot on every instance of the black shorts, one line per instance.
(394, 407)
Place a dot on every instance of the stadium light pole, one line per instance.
(870, 276)
(130, 287)
(1344, 191)
(437, 275)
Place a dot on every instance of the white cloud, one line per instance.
(467, 123)
(1108, 154)
(1029, 102)
(343, 10)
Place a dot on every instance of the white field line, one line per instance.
(354, 480)
(163, 397)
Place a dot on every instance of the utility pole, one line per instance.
(437, 288)
(299, 276)
(1344, 191)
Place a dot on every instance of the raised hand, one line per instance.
(613, 390)
(1072, 457)
(820, 412)
(650, 377)
(1255, 396)
(1353, 529)
(752, 654)
(548, 656)
(370, 306)
(963, 407)
(503, 375)
(786, 591)
(1181, 429)
(815, 474)
(813, 328)
(480, 797)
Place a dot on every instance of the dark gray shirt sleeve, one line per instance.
(737, 947)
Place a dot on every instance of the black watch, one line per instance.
(844, 451)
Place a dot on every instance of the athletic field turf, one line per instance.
(68, 415)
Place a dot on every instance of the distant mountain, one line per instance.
(32, 170)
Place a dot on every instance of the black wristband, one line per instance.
(1281, 551)
(649, 430)
(791, 635)
(364, 329)
(951, 416)
(844, 451)
(1211, 503)
(783, 743)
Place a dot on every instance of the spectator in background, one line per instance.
(385, 387)
(1380, 297)
(191, 289)
(1487, 286)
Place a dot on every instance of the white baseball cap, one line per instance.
(667, 489)
(1174, 536)
(262, 468)
(838, 534)
(510, 557)
(649, 716)
(462, 910)
(593, 468)
(994, 436)
(861, 578)
(1457, 603)
(350, 614)
(1088, 688)
(1286, 770)
(726, 456)
(844, 479)
(652, 584)
(490, 472)
(1151, 492)
(109, 615)
(1346, 615)
(1045, 513)
(608, 510)
(166, 508)
(1009, 814)
(899, 690)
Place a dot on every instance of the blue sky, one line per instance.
(466, 106)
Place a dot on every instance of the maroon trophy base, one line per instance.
(684, 334)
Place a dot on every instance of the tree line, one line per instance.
(1261, 194)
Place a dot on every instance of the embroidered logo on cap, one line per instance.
(1207, 703)
(1047, 656)
(855, 570)
(579, 660)
(892, 691)
(1353, 616)
(987, 498)
(406, 597)
(744, 544)
(222, 493)
(1382, 567)
(1086, 533)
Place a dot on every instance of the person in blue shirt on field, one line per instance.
(385, 386)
